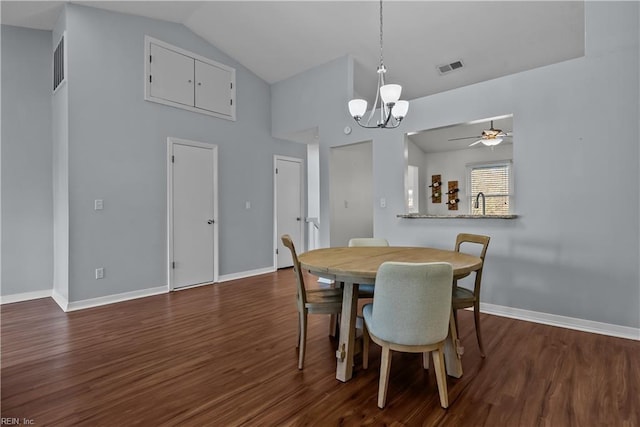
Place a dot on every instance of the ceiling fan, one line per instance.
(489, 137)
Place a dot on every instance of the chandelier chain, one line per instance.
(392, 109)
(381, 60)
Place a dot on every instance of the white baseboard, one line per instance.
(25, 296)
(498, 310)
(62, 301)
(110, 299)
(562, 321)
(243, 274)
(184, 288)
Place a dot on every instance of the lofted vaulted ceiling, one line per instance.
(278, 39)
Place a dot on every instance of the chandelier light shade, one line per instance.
(390, 94)
(400, 110)
(387, 102)
(357, 108)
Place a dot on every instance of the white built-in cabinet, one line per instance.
(176, 77)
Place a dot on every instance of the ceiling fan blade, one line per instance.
(474, 143)
(466, 137)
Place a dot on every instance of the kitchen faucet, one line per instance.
(477, 204)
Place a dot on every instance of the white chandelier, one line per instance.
(392, 110)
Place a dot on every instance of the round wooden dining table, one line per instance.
(354, 265)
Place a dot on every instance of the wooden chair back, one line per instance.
(479, 240)
(302, 297)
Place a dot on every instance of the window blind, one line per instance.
(493, 181)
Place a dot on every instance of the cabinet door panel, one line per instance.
(213, 88)
(172, 76)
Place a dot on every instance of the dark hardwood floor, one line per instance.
(225, 355)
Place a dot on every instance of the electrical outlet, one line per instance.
(100, 273)
(383, 202)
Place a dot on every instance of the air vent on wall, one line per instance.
(58, 64)
(447, 68)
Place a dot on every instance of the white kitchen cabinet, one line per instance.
(182, 79)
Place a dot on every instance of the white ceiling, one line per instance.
(278, 39)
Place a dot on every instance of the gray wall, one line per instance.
(60, 135)
(575, 249)
(318, 99)
(27, 230)
(351, 192)
(115, 150)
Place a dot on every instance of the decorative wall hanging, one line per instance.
(436, 189)
(452, 194)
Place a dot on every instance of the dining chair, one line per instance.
(411, 311)
(365, 290)
(368, 241)
(310, 301)
(463, 297)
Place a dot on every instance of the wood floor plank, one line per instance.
(225, 355)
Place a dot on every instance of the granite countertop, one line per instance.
(467, 216)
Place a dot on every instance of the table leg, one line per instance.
(344, 368)
(453, 350)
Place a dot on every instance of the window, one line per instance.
(412, 197)
(494, 180)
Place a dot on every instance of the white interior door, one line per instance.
(192, 213)
(288, 205)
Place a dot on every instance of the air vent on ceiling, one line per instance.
(447, 68)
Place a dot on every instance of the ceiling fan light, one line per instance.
(491, 142)
(390, 93)
(400, 109)
(357, 108)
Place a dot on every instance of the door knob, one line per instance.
(210, 222)
(298, 219)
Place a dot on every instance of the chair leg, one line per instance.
(441, 375)
(298, 337)
(365, 346)
(425, 360)
(303, 339)
(476, 318)
(385, 368)
(455, 318)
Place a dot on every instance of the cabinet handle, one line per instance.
(199, 84)
(189, 81)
